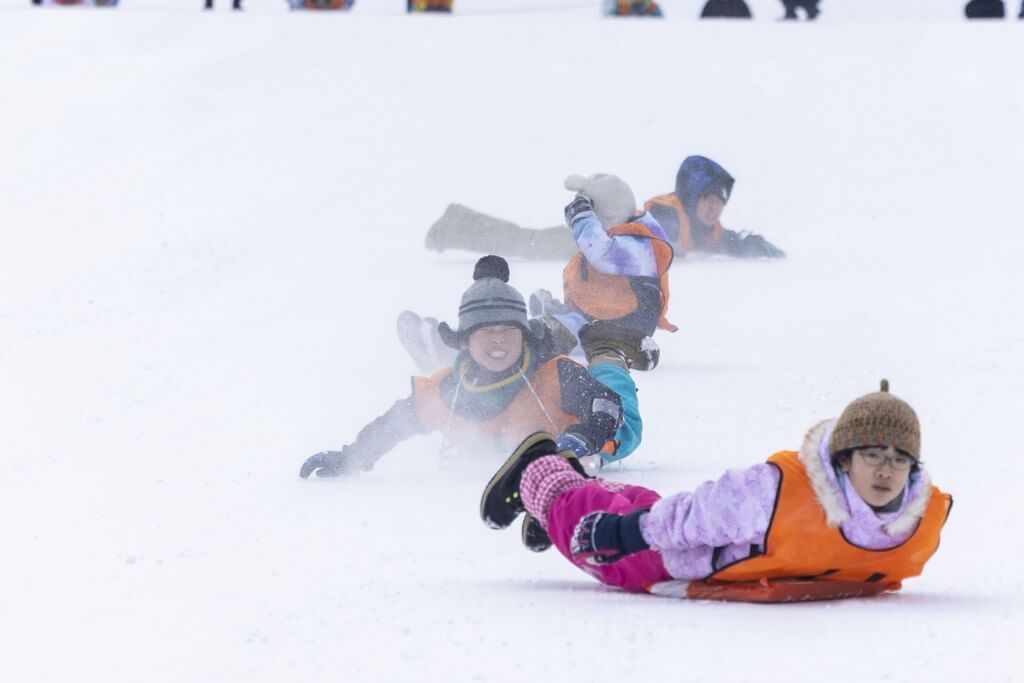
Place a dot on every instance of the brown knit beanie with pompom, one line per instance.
(878, 419)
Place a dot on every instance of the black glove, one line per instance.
(604, 537)
(579, 205)
(332, 464)
(755, 245)
(575, 442)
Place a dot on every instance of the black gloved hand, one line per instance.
(332, 464)
(604, 537)
(755, 245)
(579, 205)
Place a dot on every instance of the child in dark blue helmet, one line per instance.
(690, 215)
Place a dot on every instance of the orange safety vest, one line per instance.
(609, 297)
(525, 415)
(685, 240)
(800, 544)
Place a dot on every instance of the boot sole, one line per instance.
(497, 510)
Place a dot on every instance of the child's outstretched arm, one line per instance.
(597, 407)
(372, 442)
(735, 509)
(747, 245)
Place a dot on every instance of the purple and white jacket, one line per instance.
(621, 254)
(734, 513)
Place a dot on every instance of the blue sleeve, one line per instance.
(630, 433)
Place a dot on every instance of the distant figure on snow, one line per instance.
(725, 9)
(852, 513)
(988, 9)
(808, 6)
(321, 4)
(76, 3)
(235, 5)
(631, 8)
(429, 6)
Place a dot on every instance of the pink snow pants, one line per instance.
(635, 572)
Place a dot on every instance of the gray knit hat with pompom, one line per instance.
(490, 300)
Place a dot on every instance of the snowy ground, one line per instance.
(209, 223)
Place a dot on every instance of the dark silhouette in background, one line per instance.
(988, 9)
(808, 6)
(731, 9)
(235, 4)
(985, 9)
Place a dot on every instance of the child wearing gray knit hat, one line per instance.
(503, 378)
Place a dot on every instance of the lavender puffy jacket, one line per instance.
(733, 513)
(620, 255)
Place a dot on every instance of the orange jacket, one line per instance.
(609, 297)
(685, 240)
(526, 414)
(800, 543)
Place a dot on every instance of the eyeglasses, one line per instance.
(899, 461)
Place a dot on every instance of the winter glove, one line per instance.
(577, 443)
(754, 245)
(604, 537)
(333, 464)
(575, 209)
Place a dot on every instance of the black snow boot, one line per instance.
(985, 9)
(605, 342)
(500, 503)
(731, 9)
(534, 536)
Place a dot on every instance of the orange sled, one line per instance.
(775, 590)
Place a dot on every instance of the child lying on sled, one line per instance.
(852, 513)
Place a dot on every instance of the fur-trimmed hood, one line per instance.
(834, 492)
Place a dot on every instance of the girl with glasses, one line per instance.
(852, 513)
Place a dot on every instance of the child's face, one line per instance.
(878, 484)
(496, 347)
(709, 209)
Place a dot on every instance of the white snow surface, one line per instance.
(209, 223)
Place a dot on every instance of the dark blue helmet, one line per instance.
(700, 176)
